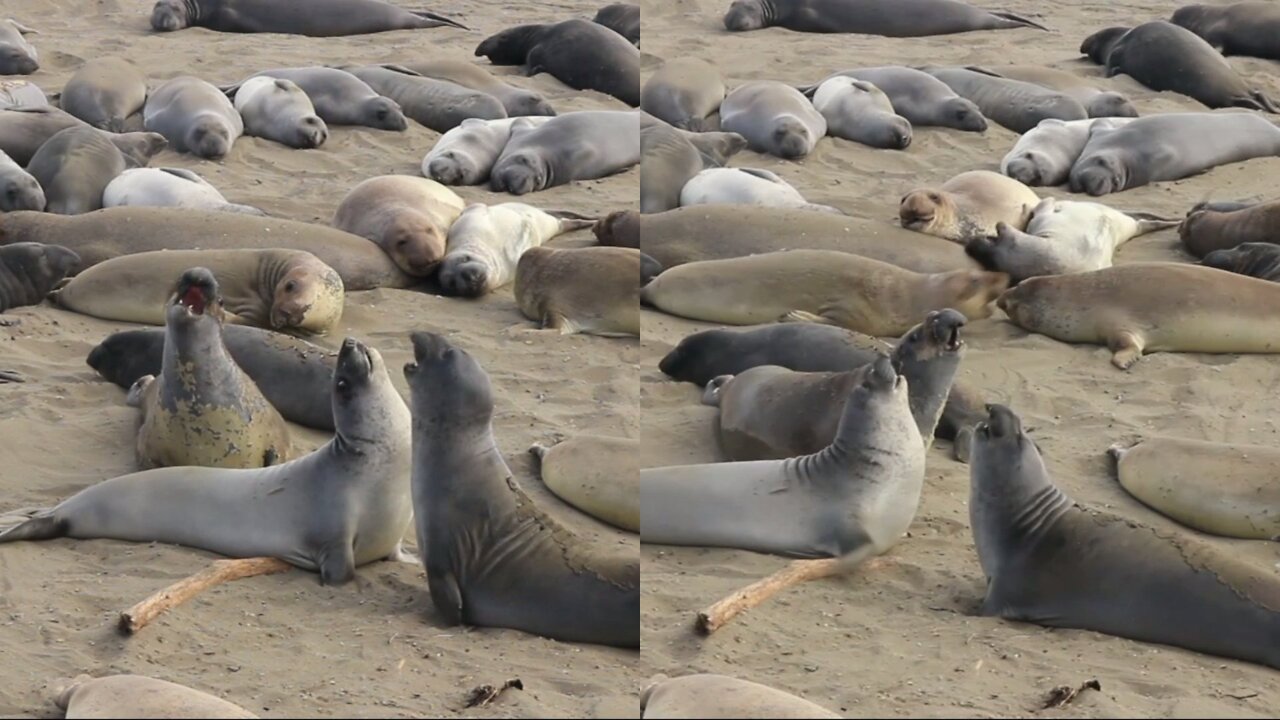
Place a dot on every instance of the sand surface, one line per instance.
(284, 646)
(905, 639)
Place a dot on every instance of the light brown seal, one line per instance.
(136, 696)
(594, 290)
(1208, 228)
(408, 217)
(596, 474)
(968, 206)
(719, 696)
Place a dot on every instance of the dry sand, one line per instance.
(284, 646)
(904, 639)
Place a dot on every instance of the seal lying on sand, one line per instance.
(967, 206)
(138, 696)
(890, 18)
(465, 155)
(24, 129)
(202, 409)
(18, 189)
(670, 158)
(75, 166)
(775, 118)
(622, 18)
(578, 53)
(319, 18)
(342, 506)
(105, 92)
(596, 474)
(745, 186)
(1260, 260)
(194, 116)
(719, 696)
(277, 109)
(168, 187)
(1242, 28)
(408, 217)
(685, 92)
(486, 242)
(17, 56)
(518, 101)
(859, 111)
(1097, 102)
(438, 104)
(1221, 227)
(471, 514)
(1015, 104)
(339, 97)
(917, 96)
(28, 271)
(1045, 155)
(1053, 562)
(583, 145)
(594, 290)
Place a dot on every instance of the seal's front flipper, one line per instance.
(1127, 349)
(399, 554)
(445, 595)
(138, 390)
(800, 316)
(337, 564)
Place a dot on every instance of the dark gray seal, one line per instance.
(917, 96)
(492, 557)
(1222, 226)
(28, 271)
(18, 189)
(1243, 28)
(578, 53)
(314, 18)
(1098, 102)
(1255, 259)
(76, 165)
(517, 101)
(339, 97)
(23, 130)
(622, 18)
(17, 56)
(438, 104)
(669, 158)
(1017, 105)
(105, 93)
(890, 18)
(1053, 562)
(583, 145)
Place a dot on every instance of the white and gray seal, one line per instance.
(774, 118)
(486, 242)
(168, 187)
(277, 109)
(1044, 155)
(339, 97)
(745, 186)
(465, 155)
(859, 111)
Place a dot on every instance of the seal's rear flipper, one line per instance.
(439, 19)
(711, 396)
(649, 269)
(42, 526)
(1019, 21)
(1265, 103)
(11, 376)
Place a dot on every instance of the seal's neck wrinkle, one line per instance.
(271, 270)
(193, 11)
(1040, 511)
(767, 12)
(18, 288)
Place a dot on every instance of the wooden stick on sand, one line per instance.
(221, 571)
(796, 572)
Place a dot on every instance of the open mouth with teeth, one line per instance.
(953, 341)
(196, 291)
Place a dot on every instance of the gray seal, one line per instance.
(517, 101)
(339, 97)
(686, 93)
(1254, 259)
(23, 130)
(342, 506)
(1053, 562)
(1222, 226)
(318, 18)
(194, 116)
(465, 155)
(105, 93)
(1242, 28)
(917, 96)
(1097, 102)
(437, 104)
(584, 145)
(669, 159)
(17, 56)
(471, 514)
(1044, 155)
(890, 18)
(1017, 105)
(578, 53)
(277, 109)
(21, 93)
(774, 118)
(75, 166)
(859, 111)
(622, 18)
(28, 271)
(18, 189)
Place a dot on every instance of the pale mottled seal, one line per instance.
(1150, 307)
(117, 696)
(685, 92)
(293, 374)
(17, 56)
(1217, 488)
(835, 288)
(1242, 28)
(194, 116)
(318, 18)
(859, 111)
(287, 290)
(18, 189)
(890, 18)
(21, 93)
(202, 409)
(1062, 237)
(471, 513)
(1169, 146)
(918, 96)
(1097, 102)
(719, 696)
(437, 104)
(75, 166)
(1163, 56)
(1260, 260)
(583, 145)
(788, 507)
(168, 187)
(670, 158)
(578, 53)
(595, 474)
(774, 118)
(1052, 562)
(105, 93)
(1214, 227)
(1017, 105)
(23, 130)
(465, 155)
(339, 97)
(408, 217)
(1044, 155)
(622, 18)
(967, 206)
(28, 271)
(277, 109)
(745, 186)
(342, 506)
(593, 290)
(486, 242)
(517, 101)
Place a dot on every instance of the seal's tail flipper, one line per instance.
(711, 396)
(1018, 21)
(437, 20)
(809, 91)
(1117, 451)
(1148, 222)
(1265, 103)
(38, 524)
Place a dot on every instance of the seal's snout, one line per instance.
(883, 376)
(429, 347)
(944, 327)
(354, 360)
(1001, 422)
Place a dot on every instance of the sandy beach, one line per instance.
(905, 639)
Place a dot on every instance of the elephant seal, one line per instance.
(1163, 56)
(194, 116)
(139, 696)
(770, 412)
(28, 271)
(917, 96)
(470, 513)
(1259, 260)
(18, 189)
(202, 409)
(622, 18)
(595, 474)
(1150, 307)
(670, 158)
(112, 232)
(288, 290)
(1213, 227)
(1172, 477)
(1044, 155)
(968, 206)
(21, 93)
(75, 166)
(344, 505)
(859, 111)
(584, 145)
(719, 232)
(685, 93)
(620, 228)
(593, 290)
(320, 18)
(437, 104)
(1053, 562)
(105, 93)
(277, 109)
(834, 288)
(1062, 237)
(720, 696)
(838, 502)
(408, 217)
(517, 101)
(1242, 28)
(465, 155)
(168, 187)
(17, 56)
(1097, 102)
(292, 374)
(1017, 105)
(339, 97)
(890, 18)
(1170, 146)
(486, 242)
(23, 130)
(745, 186)
(774, 118)
(578, 53)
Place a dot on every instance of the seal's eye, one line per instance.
(343, 385)
(402, 244)
(935, 197)
(290, 286)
